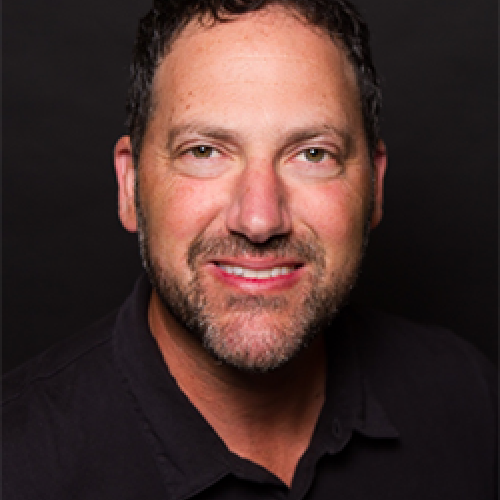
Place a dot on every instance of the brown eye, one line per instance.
(202, 151)
(314, 154)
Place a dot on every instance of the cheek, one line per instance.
(179, 209)
(336, 213)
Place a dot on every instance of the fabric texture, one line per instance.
(410, 413)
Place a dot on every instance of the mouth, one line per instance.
(258, 274)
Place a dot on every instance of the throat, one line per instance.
(267, 418)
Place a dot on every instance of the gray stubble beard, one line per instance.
(190, 306)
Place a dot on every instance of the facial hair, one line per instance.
(222, 328)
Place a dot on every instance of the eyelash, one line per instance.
(212, 150)
(324, 154)
(196, 149)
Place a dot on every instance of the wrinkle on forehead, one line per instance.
(248, 38)
(278, 25)
(267, 68)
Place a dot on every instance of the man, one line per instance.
(253, 174)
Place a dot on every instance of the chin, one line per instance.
(255, 346)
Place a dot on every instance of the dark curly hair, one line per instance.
(167, 18)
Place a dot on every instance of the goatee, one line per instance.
(257, 332)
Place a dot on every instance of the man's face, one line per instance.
(255, 186)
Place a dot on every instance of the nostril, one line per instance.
(259, 208)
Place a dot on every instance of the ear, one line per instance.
(125, 176)
(379, 165)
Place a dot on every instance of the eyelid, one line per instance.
(187, 147)
(331, 151)
(223, 147)
(323, 150)
(327, 168)
(187, 164)
(212, 149)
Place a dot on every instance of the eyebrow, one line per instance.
(201, 129)
(292, 137)
(302, 135)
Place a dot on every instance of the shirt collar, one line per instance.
(169, 420)
(350, 406)
(172, 424)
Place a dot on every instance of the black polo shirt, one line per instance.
(410, 413)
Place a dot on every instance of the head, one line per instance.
(253, 171)
(166, 20)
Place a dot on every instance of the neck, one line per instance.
(265, 417)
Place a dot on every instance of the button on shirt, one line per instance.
(409, 413)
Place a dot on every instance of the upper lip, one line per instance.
(257, 263)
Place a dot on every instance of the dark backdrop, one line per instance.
(66, 259)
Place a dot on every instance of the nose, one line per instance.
(259, 207)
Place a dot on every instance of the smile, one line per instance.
(257, 273)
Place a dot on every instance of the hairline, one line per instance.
(212, 21)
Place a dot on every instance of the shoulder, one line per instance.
(389, 344)
(65, 415)
(439, 391)
(54, 365)
(48, 408)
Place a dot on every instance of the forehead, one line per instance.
(281, 29)
(264, 59)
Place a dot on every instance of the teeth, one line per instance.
(256, 274)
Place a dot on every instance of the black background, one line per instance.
(66, 259)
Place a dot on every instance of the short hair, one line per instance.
(167, 18)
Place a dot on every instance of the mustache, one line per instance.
(305, 249)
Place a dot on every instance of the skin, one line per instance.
(262, 91)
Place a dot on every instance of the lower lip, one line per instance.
(253, 285)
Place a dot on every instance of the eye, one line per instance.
(314, 155)
(315, 163)
(203, 151)
(201, 161)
